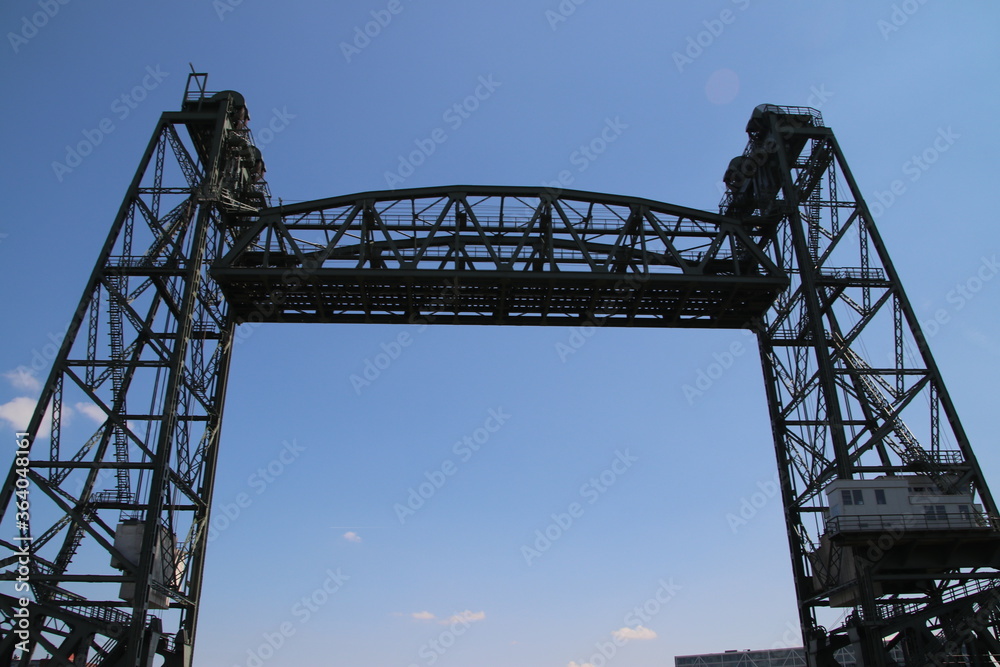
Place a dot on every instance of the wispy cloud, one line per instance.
(464, 617)
(92, 411)
(351, 536)
(23, 379)
(636, 633)
(17, 413)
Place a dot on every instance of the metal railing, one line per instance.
(134, 262)
(909, 607)
(814, 114)
(912, 522)
(853, 274)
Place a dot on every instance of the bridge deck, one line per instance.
(396, 296)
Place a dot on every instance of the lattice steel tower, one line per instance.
(891, 526)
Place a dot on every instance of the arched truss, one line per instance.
(104, 534)
(500, 255)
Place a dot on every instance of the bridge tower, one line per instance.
(891, 525)
(148, 350)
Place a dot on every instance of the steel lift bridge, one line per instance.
(891, 527)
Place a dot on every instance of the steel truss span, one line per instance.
(102, 539)
(492, 255)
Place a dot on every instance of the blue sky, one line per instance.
(680, 80)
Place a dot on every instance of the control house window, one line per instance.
(935, 512)
(852, 497)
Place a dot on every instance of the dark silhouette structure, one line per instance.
(891, 526)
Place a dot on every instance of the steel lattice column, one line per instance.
(854, 394)
(146, 355)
